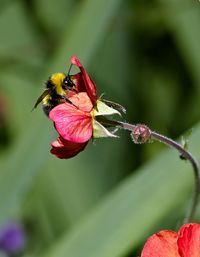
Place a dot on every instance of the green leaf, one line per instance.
(182, 17)
(63, 10)
(19, 40)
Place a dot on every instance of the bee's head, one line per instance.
(61, 83)
(68, 84)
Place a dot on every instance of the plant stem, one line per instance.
(186, 154)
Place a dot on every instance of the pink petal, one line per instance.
(75, 61)
(82, 102)
(162, 244)
(90, 87)
(189, 240)
(64, 149)
(73, 124)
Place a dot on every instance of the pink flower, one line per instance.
(76, 123)
(166, 243)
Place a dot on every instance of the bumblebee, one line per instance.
(57, 90)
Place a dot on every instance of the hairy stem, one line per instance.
(188, 156)
(184, 153)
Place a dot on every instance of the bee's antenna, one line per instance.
(70, 67)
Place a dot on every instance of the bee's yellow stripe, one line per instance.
(57, 80)
(46, 99)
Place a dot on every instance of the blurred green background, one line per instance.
(106, 201)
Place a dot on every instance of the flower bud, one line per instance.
(141, 134)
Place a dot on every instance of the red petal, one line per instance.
(73, 124)
(64, 149)
(90, 87)
(162, 244)
(79, 82)
(189, 240)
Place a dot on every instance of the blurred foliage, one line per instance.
(109, 199)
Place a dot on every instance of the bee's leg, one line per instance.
(70, 102)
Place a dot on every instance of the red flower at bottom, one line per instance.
(166, 243)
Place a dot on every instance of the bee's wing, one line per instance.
(43, 95)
